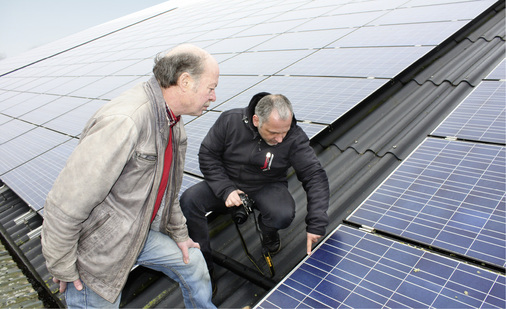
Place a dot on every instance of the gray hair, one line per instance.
(183, 58)
(271, 102)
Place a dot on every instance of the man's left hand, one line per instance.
(189, 243)
(311, 239)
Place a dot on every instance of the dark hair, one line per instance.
(271, 102)
(169, 67)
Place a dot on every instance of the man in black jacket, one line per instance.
(249, 150)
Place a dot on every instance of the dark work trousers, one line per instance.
(274, 201)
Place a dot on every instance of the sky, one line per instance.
(26, 24)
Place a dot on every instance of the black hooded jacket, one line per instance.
(233, 156)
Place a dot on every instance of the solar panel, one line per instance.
(35, 178)
(53, 109)
(261, 63)
(314, 99)
(339, 21)
(499, 72)
(384, 62)
(480, 117)
(101, 87)
(12, 129)
(251, 42)
(73, 122)
(27, 146)
(434, 13)
(22, 104)
(355, 269)
(312, 129)
(303, 40)
(400, 35)
(447, 194)
(196, 130)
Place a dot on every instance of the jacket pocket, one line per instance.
(146, 157)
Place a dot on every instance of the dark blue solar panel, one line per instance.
(354, 269)
(447, 194)
(480, 117)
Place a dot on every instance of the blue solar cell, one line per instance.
(392, 275)
(480, 117)
(451, 206)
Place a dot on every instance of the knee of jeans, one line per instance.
(197, 259)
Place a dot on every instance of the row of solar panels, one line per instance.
(325, 56)
(449, 195)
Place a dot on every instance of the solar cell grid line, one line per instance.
(479, 117)
(352, 268)
(447, 194)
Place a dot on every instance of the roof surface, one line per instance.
(369, 80)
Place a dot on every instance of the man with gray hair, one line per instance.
(249, 151)
(115, 203)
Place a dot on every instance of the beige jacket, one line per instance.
(97, 215)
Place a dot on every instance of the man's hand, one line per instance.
(311, 239)
(234, 199)
(63, 285)
(184, 248)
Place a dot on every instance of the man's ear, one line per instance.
(185, 81)
(256, 121)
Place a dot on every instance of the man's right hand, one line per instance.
(234, 199)
(63, 285)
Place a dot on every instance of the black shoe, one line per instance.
(271, 242)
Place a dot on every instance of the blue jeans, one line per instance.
(160, 253)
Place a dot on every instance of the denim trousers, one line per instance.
(160, 253)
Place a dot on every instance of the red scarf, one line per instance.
(167, 162)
